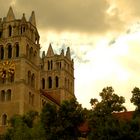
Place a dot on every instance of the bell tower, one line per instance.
(58, 74)
(19, 65)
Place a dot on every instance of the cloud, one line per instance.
(70, 15)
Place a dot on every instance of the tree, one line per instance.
(136, 98)
(70, 117)
(49, 121)
(62, 123)
(25, 127)
(18, 130)
(102, 123)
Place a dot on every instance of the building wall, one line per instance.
(20, 62)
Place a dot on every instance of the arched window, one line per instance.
(48, 65)
(33, 80)
(51, 64)
(4, 119)
(43, 83)
(29, 77)
(10, 30)
(56, 81)
(17, 50)
(24, 29)
(9, 51)
(0, 34)
(49, 82)
(2, 53)
(2, 95)
(8, 95)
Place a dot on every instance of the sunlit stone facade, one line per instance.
(28, 81)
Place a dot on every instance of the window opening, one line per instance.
(9, 51)
(17, 50)
(4, 119)
(57, 81)
(10, 30)
(50, 82)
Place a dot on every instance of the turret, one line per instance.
(23, 20)
(62, 52)
(50, 51)
(68, 53)
(32, 19)
(10, 15)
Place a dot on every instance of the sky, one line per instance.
(103, 36)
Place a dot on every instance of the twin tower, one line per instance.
(28, 81)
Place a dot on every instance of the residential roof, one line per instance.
(84, 127)
(124, 115)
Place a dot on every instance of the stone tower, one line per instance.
(57, 74)
(19, 49)
(28, 81)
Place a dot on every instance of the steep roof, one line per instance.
(50, 51)
(32, 19)
(10, 15)
(51, 96)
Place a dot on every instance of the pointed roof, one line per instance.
(23, 20)
(32, 19)
(10, 15)
(68, 53)
(43, 54)
(62, 52)
(50, 51)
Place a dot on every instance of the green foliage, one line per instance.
(136, 97)
(49, 121)
(25, 128)
(70, 117)
(110, 102)
(102, 123)
(62, 123)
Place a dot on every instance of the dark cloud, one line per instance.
(88, 16)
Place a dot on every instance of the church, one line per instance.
(28, 81)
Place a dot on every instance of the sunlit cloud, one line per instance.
(103, 36)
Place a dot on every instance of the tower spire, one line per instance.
(23, 18)
(10, 15)
(32, 19)
(50, 51)
(68, 55)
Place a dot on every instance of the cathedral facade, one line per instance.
(28, 81)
